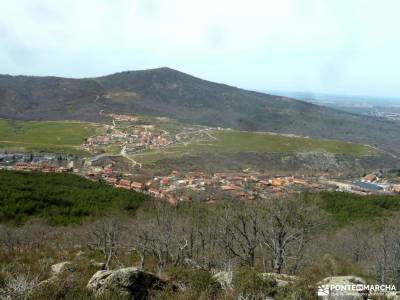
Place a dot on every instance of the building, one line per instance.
(396, 188)
(123, 183)
(370, 177)
(108, 170)
(226, 188)
(137, 185)
(366, 186)
(21, 166)
(278, 182)
(154, 192)
(111, 180)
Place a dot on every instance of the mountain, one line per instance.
(170, 93)
(48, 98)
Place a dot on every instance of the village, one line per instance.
(130, 134)
(186, 186)
(133, 139)
(179, 186)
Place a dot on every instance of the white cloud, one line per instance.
(287, 44)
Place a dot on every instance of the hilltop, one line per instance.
(170, 93)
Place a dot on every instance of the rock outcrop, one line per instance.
(224, 278)
(280, 279)
(61, 267)
(65, 268)
(127, 283)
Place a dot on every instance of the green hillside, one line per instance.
(346, 208)
(52, 136)
(60, 198)
(229, 141)
(262, 142)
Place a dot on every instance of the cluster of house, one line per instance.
(373, 183)
(135, 138)
(376, 182)
(123, 118)
(181, 186)
(28, 162)
(393, 116)
(389, 114)
(142, 138)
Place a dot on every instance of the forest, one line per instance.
(60, 199)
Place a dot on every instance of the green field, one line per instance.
(63, 136)
(229, 141)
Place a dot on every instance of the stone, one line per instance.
(96, 264)
(281, 279)
(61, 267)
(224, 278)
(127, 283)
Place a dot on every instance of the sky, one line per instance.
(331, 46)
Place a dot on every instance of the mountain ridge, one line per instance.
(170, 93)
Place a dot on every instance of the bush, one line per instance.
(302, 289)
(18, 286)
(250, 284)
(330, 265)
(194, 283)
(69, 285)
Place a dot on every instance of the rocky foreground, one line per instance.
(133, 283)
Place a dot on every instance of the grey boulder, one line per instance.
(127, 283)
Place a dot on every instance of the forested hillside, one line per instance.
(60, 198)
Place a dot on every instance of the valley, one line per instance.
(148, 140)
(132, 152)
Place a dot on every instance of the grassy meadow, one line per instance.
(63, 136)
(229, 141)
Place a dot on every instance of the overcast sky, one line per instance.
(335, 46)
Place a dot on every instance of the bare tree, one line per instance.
(384, 254)
(201, 232)
(156, 232)
(288, 226)
(106, 237)
(240, 232)
(139, 241)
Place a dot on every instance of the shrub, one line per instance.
(195, 283)
(250, 284)
(302, 289)
(19, 287)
